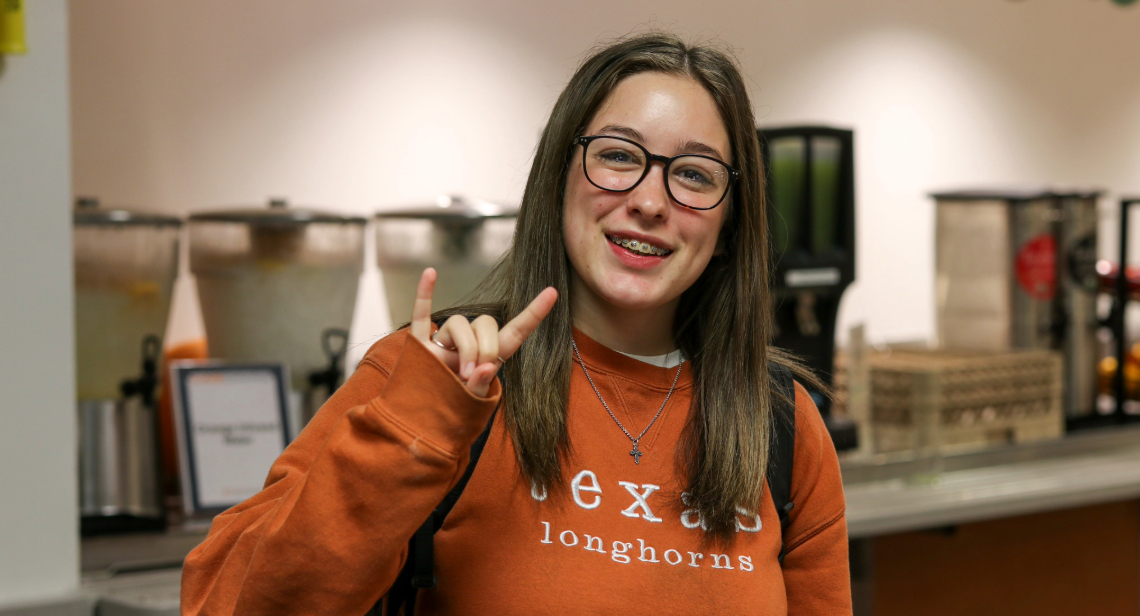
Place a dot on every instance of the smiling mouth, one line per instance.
(639, 247)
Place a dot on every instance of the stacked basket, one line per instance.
(962, 399)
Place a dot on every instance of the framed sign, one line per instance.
(232, 423)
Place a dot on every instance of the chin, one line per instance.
(633, 295)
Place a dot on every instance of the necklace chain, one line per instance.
(635, 452)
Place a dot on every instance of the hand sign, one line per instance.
(474, 350)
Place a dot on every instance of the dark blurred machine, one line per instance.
(1125, 289)
(810, 174)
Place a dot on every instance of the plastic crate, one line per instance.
(953, 400)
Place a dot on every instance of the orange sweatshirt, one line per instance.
(329, 532)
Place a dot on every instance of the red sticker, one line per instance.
(1037, 267)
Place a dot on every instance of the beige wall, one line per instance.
(39, 540)
(181, 106)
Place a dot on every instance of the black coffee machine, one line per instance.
(810, 175)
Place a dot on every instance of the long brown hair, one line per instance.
(723, 321)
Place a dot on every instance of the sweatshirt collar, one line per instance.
(604, 360)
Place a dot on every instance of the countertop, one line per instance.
(889, 496)
(138, 575)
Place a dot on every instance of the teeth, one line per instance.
(639, 246)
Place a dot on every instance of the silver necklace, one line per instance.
(635, 452)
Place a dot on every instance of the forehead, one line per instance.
(668, 110)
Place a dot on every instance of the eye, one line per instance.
(618, 157)
(694, 177)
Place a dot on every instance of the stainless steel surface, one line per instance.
(153, 593)
(75, 603)
(461, 238)
(118, 465)
(137, 574)
(88, 211)
(106, 555)
(902, 493)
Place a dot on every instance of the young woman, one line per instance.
(625, 468)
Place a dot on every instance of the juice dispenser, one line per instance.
(278, 284)
(125, 265)
(461, 238)
(811, 217)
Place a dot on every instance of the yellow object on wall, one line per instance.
(12, 27)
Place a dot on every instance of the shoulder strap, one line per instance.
(781, 450)
(419, 568)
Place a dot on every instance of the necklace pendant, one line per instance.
(636, 453)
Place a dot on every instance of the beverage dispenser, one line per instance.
(125, 266)
(810, 174)
(1016, 269)
(278, 284)
(461, 238)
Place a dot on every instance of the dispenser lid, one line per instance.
(278, 213)
(453, 208)
(88, 212)
(1077, 192)
(1017, 194)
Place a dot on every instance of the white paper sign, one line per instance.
(232, 427)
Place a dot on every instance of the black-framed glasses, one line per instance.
(616, 164)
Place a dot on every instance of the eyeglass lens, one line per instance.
(694, 181)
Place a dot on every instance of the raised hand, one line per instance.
(474, 350)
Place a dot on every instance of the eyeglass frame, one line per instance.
(650, 158)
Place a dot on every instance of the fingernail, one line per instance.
(468, 368)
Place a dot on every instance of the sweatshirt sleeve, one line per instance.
(329, 531)
(816, 569)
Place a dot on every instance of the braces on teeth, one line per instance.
(642, 247)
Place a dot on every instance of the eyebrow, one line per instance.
(696, 147)
(624, 131)
(688, 147)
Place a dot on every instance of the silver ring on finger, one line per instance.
(440, 344)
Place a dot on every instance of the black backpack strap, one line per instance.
(782, 448)
(419, 568)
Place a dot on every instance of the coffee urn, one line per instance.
(810, 173)
(125, 266)
(278, 284)
(1016, 269)
(461, 238)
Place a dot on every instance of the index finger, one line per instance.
(522, 326)
(421, 308)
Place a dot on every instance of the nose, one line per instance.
(649, 198)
